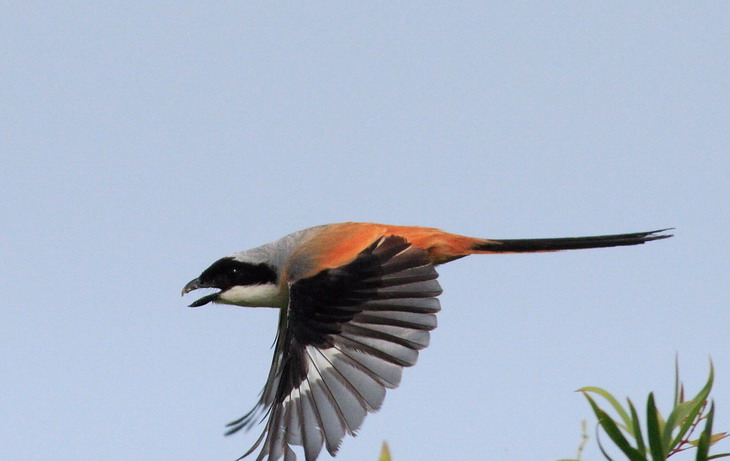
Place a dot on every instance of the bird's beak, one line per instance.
(194, 285)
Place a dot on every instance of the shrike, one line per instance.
(357, 302)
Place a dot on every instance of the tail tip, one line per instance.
(657, 234)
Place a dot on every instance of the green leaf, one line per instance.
(600, 445)
(640, 447)
(653, 431)
(703, 447)
(626, 421)
(678, 389)
(677, 419)
(694, 406)
(613, 431)
(713, 440)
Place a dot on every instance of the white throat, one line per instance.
(263, 295)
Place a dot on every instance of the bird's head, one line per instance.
(239, 282)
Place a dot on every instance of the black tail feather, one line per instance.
(569, 243)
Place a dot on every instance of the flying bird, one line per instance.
(357, 302)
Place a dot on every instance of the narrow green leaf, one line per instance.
(677, 419)
(677, 384)
(660, 420)
(640, 447)
(653, 432)
(695, 405)
(703, 447)
(713, 440)
(721, 455)
(626, 421)
(702, 395)
(613, 431)
(600, 445)
(693, 414)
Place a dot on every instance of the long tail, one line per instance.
(569, 243)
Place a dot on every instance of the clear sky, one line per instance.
(141, 141)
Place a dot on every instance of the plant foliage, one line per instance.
(661, 438)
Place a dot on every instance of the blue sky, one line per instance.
(141, 142)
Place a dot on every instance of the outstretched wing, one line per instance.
(345, 337)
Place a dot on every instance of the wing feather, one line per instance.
(343, 340)
(386, 372)
(333, 426)
(405, 337)
(400, 319)
(311, 424)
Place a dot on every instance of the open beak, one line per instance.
(194, 285)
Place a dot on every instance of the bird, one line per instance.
(356, 304)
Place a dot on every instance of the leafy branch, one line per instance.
(661, 438)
